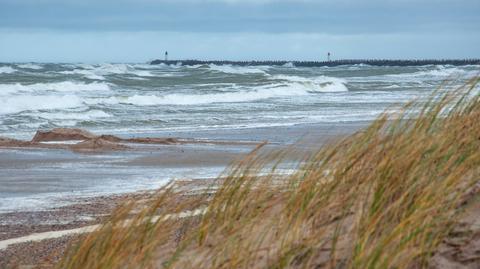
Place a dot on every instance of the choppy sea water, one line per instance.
(142, 98)
(136, 99)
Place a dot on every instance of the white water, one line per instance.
(99, 72)
(160, 97)
(19, 103)
(7, 70)
(30, 66)
(240, 70)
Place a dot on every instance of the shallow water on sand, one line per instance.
(36, 179)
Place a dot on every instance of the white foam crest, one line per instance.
(99, 71)
(87, 115)
(358, 66)
(169, 66)
(7, 89)
(262, 92)
(119, 69)
(440, 71)
(7, 70)
(113, 68)
(315, 84)
(30, 66)
(74, 86)
(87, 73)
(327, 87)
(230, 69)
(149, 66)
(186, 99)
(195, 66)
(64, 86)
(107, 68)
(105, 101)
(19, 103)
(142, 73)
(419, 77)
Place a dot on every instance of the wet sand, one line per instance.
(37, 177)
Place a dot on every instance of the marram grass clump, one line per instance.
(384, 197)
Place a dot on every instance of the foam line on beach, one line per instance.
(37, 237)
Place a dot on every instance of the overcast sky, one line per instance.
(141, 30)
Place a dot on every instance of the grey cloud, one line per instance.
(136, 30)
(323, 16)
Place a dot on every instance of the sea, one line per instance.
(130, 98)
(197, 101)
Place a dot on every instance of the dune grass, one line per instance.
(384, 197)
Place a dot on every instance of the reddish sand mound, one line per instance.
(8, 142)
(98, 144)
(89, 141)
(62, 134)
(142, 140)
(111, 138)
(149, 140)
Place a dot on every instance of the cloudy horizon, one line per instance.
(138, 31)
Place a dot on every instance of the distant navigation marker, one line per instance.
(328, 56)
(166, 55)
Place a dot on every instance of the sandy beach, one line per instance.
(50, 187)
(19, 224)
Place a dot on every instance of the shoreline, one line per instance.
(39, 173)
(77, 212)
(56, 228)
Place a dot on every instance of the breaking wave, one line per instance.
(440, 71)
(421, 77)
(30, 66)
(64, 86)
(17, 97)
(315, 84)
(7, 70)
(279, 90)
(86, 73)
(86, 115)
(98, 72)
(239, 70)
(19, 103)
